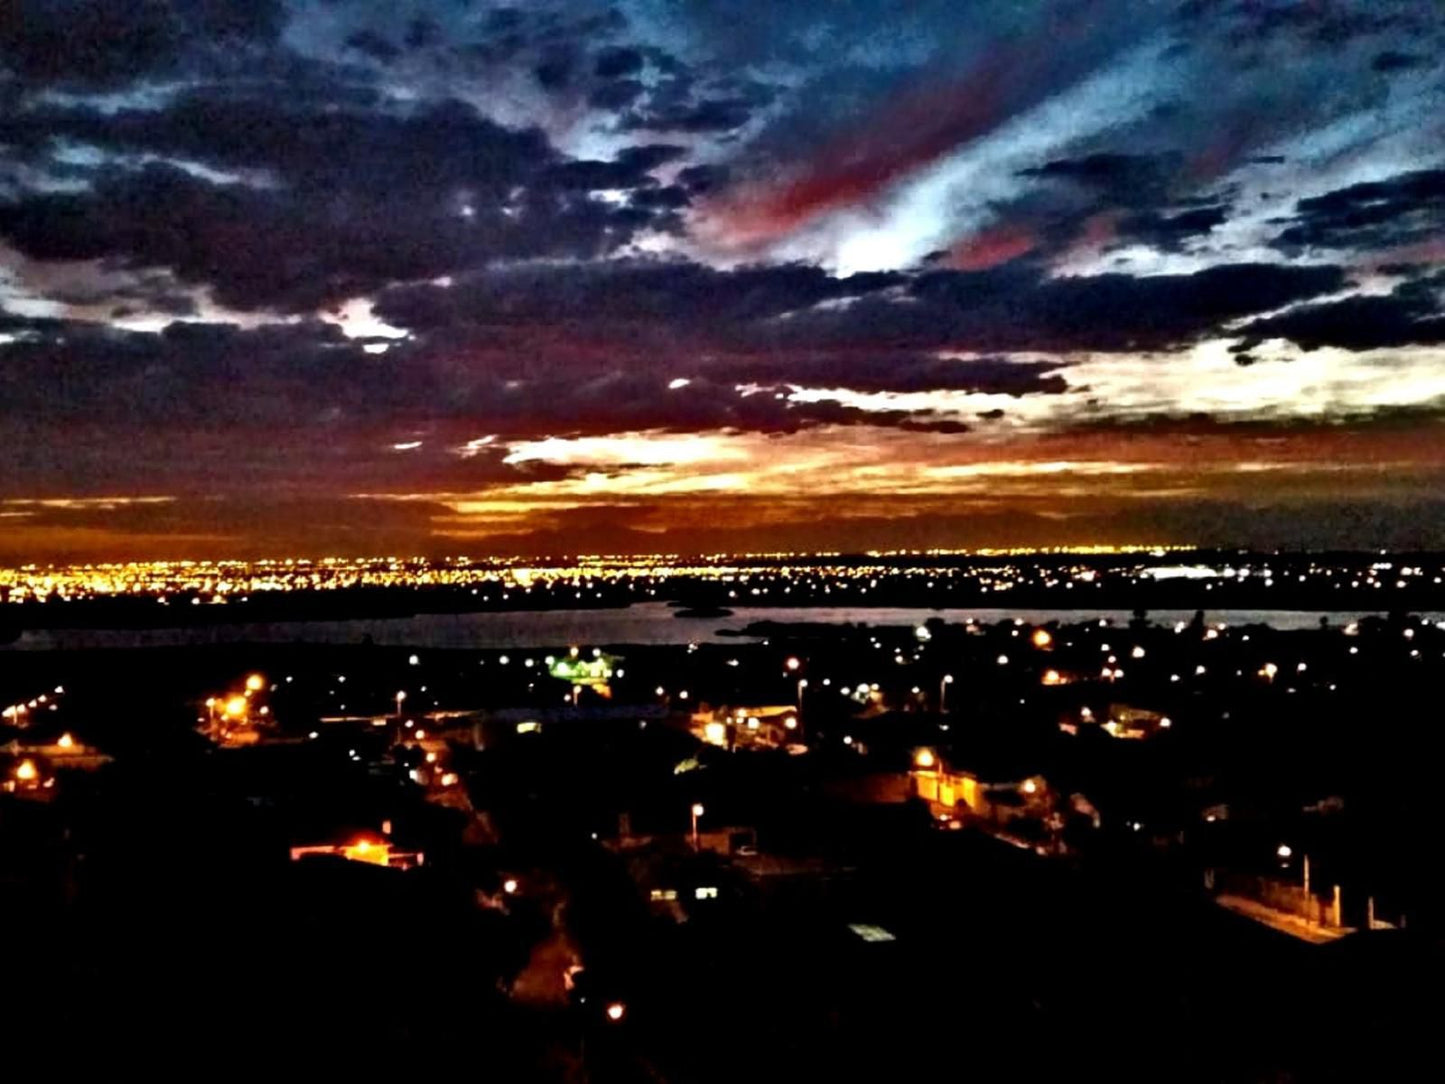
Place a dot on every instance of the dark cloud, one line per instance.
(347, 202)
(1406, 317)
(1010, 309)
(74, 371)
(989, 376)
(705, 115)
(1125, 179)
(1320, 24)
(556, 68)
(99, 43)
(1403, 210)
(661, 291)
(617, 61)
(297, 382)
(703, 179)
(1171, 232)
(1392, 61)
(374, 45)
(798, 325)
(421, 32)
(616, 94)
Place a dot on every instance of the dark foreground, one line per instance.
(154, 916)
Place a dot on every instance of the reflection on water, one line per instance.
(645, 623)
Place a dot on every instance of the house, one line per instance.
(768, 726)
(370, 847)
(1004, 803)
(59, 751)
(26, 776)
(1127, 721)
(1119, 721)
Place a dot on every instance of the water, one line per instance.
(649, 623)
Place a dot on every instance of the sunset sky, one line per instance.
(444, 277)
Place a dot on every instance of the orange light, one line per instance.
(790, 723)
(236, 706)
(924, 758)
(255, 683)
(26, 771)
(616, 1011)
(793, 662)
(364, 850)
(697, 809)
(1052, 677)
(65, 741)
(449, 779)
(1042, 638)
(421, 735)
(1030, 786)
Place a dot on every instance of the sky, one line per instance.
(440, 277)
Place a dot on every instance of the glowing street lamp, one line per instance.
(943, 685)
(236, 707)
(925, 759)
(1284, 852)
(697, 811)
(255, 683)
(26, 771)
(616, 1011)
(1042, 638)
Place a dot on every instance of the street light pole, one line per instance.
(942, 691)
(697, 811)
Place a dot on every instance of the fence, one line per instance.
(1280, 895)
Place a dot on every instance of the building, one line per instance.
(62, 751)
(1026, 807)
(368, 847)
(579, 671)
(1119, 721)
(770, 726)
(26, 776)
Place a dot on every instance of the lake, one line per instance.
(649, 623)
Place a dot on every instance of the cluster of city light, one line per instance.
(232, 712)
(736, 579)
(22, 711)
